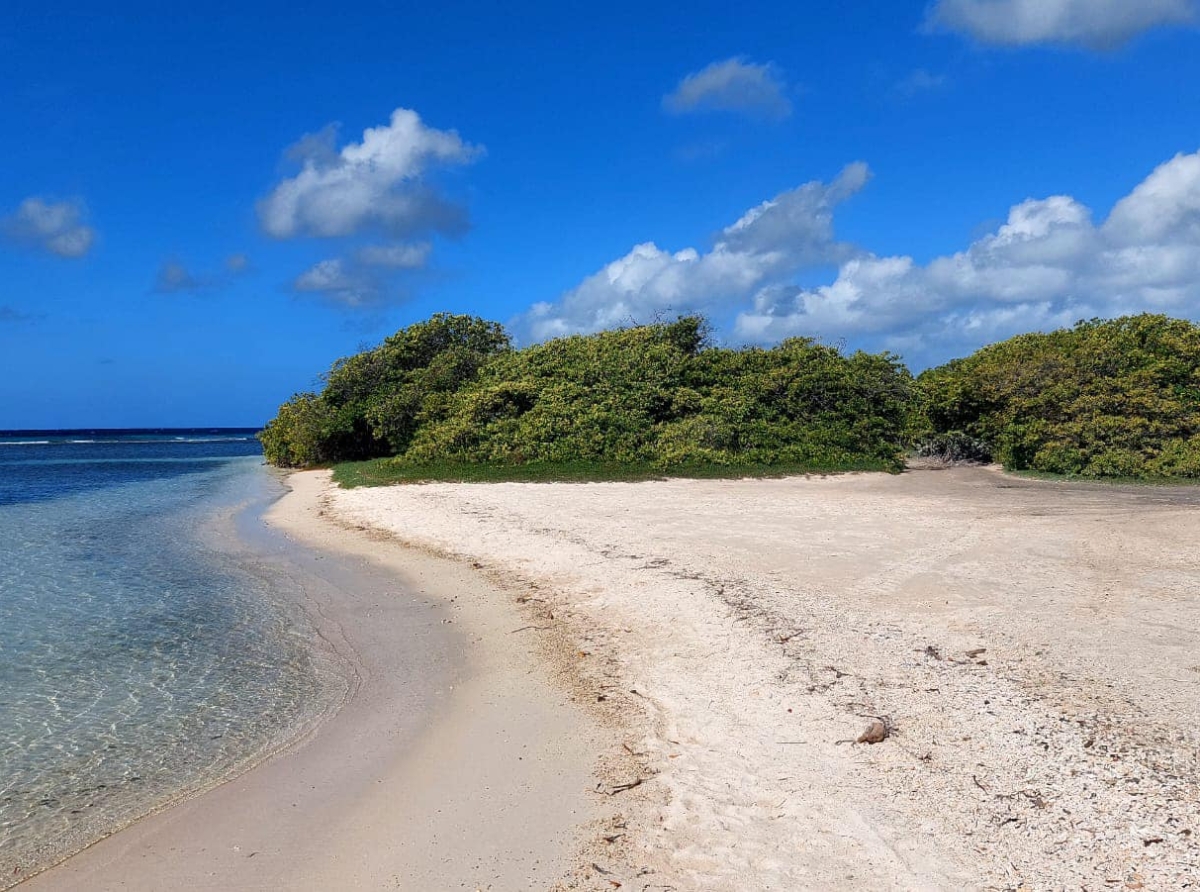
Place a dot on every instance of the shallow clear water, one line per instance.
(142, 656)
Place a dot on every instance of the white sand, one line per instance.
(740, 632)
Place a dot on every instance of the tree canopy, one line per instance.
(1118, 398)
(453, 389)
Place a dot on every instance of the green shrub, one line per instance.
(654, 396)
(374, 402)
(1117, 398)
(293, 438)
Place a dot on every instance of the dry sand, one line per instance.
(452, 764)
(1034, 649)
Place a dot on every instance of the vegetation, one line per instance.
(450, 399)
(1116, 398)
(383, 471)
(375, 401)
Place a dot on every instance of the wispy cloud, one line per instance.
(919, 81)
(366, 278)
(339, 284)
(1096, 24)
(58, 227)
(175, 277)
(11, 315)
(404, 256)
(732, 85)
(701, 150)
(237, 263)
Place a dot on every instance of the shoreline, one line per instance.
(1034, 649)
(695, 659)
(449, 764)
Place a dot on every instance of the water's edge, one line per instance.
(241, 531)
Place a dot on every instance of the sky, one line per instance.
(203, 207)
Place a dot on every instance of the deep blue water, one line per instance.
(143, 653)
(39, 465)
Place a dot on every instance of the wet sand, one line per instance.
(452, 764)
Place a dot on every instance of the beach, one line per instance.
(1032, 648)
(661, 686)
(451, 764)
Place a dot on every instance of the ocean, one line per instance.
(145, 652)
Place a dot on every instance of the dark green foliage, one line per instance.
(644, 400)
(1103, 399)
(449, 399)
(294, 437)
(375, 401)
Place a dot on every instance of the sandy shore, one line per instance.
(1034, 649)
(452, 765)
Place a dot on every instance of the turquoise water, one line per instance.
(143, 653)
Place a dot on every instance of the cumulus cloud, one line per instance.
(378, 183)
(733, 85)
(792, 231)
(1049, 264)
(54, 226)
(1097, 24)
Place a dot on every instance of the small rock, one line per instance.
(876, 732)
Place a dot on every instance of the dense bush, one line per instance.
(375, 401)
(655, 395)
(1104, 399)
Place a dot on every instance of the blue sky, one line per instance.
(200, 210)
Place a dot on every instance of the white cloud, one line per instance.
(404, 256)
(732, 85)
(1049, 264)
(1098, 24)
(379, 187)
(792, 231)
(366, 279)
(342, 286)
(1163, 206)
(376, 183)
(57, 227)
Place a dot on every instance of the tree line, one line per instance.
(1117, 398)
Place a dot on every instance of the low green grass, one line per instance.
(387, 471)
(1105, 481)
